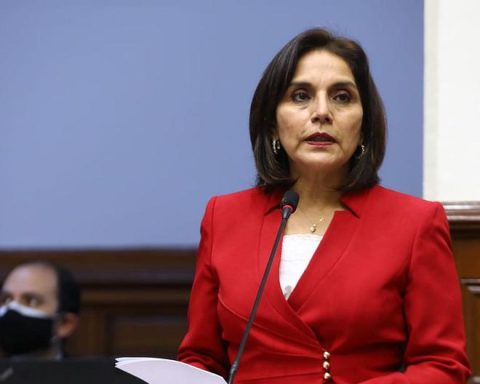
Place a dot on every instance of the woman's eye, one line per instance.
(300, 96)
(342, 97)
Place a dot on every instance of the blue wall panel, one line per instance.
(119, 119)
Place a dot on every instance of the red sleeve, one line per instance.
(202, 346)
(435, 352)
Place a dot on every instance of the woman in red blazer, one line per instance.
(363, 288)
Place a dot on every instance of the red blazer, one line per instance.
(381, 295)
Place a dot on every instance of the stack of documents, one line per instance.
(164, 371)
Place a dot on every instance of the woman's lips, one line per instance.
(320, 139)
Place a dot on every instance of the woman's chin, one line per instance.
(320, 167)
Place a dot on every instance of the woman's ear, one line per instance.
(67, 325)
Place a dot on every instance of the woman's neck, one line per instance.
(317, 192)
(316, 207)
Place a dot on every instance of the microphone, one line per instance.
(289, 205)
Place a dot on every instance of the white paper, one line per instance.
(164, 371)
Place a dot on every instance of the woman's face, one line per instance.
(319, 118)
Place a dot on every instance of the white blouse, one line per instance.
(297, 251)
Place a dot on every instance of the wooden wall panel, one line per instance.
(471, 303)
(135, 301)
(464, 218)
(160, 334)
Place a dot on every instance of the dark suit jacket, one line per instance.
(380, 295)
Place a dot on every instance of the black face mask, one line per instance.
(20, 334)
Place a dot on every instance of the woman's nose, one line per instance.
(321, 110)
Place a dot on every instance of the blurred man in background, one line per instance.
(39, 307)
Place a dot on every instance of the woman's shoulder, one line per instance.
(245, 199)
(392, 195)
(245, 194)
(391, 200)
(245, 205)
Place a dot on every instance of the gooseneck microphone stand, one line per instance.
(289, 204)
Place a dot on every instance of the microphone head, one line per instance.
(290, 200)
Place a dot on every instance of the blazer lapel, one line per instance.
(273, 293)
(329, 252)
(331, 248)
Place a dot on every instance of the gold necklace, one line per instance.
(313, 226)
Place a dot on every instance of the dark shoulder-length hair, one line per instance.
(273, 170)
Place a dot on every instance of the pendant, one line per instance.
(313, 228)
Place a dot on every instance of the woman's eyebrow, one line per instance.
(338, 84)
(345, 84)
(301, 84)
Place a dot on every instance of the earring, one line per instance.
(276, 146)
(363, 149)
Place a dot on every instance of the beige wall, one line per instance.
(452, 100)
